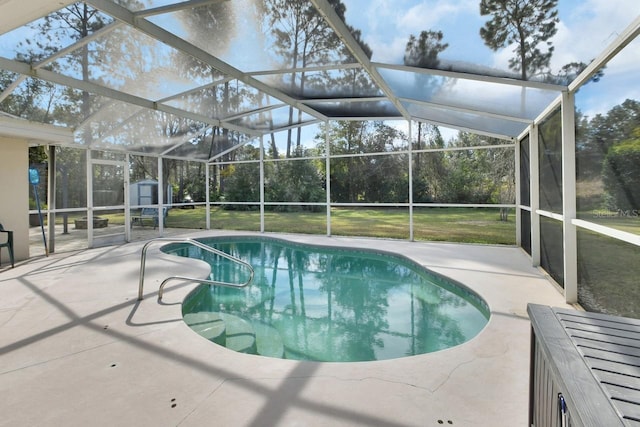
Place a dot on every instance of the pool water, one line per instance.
(327, 304)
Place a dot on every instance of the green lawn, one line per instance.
(470, 225)
(625, 221)
(608, 275)
(463, 225)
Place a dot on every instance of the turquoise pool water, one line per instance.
(328, 304)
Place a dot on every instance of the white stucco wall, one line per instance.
(14, 194)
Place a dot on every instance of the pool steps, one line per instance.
(236, 333)
(208, 325)
(268, 340)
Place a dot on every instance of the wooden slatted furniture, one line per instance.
(585, 369)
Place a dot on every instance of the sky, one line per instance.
(386, 26)
(587, 27)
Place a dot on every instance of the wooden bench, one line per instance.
(150, 215)
(585, 369)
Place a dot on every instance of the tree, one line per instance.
(620, 177)
(31, 100)
(602, 166)
(429, 172)
(367, 175)
(347, 174)
(295, 181)
(303, 38)
(74, 23)
(242, 184)
(570, 71)
(423, 51)
(385, 177)
(70, 175)
(211, 27)
(602, 132)
(356, 79)
(525, 23)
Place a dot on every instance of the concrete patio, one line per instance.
(77, 349)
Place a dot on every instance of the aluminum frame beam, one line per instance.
(123, 14)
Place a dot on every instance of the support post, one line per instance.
(127, 198)
(516, 156)
(51, 200)
(160, 196)
(410, 183)
(327, 149)
(534, 194)
(569, 235)
(261, 184)
(89, 199)
(207, 197)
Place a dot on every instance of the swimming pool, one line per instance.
(327, 304)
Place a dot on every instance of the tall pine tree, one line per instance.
(527, 24)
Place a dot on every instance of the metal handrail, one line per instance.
(196, 243)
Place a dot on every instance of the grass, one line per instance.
(628, 221)
(467, 225)
(608, 275)
(607, 270)
(591, 203)
(461, 225)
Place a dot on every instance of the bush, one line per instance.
(620, 176)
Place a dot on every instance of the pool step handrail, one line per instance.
(200, 245)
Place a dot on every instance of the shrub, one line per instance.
(620, 176)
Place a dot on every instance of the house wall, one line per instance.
(14, 194)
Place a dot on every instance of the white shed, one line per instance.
(145, 192)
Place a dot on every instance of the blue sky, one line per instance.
(587, 27)
(386, 26)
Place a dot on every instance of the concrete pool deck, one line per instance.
(77, 349)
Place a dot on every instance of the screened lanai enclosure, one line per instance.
(492, 122)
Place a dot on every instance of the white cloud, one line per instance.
(434, 15)
(389, 51)
(561, 56)
(620, 82)
(590, 27)
(501, 58)
(610, 15)
(388, 25)
(377, 13)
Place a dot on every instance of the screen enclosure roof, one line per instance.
(194, 79)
